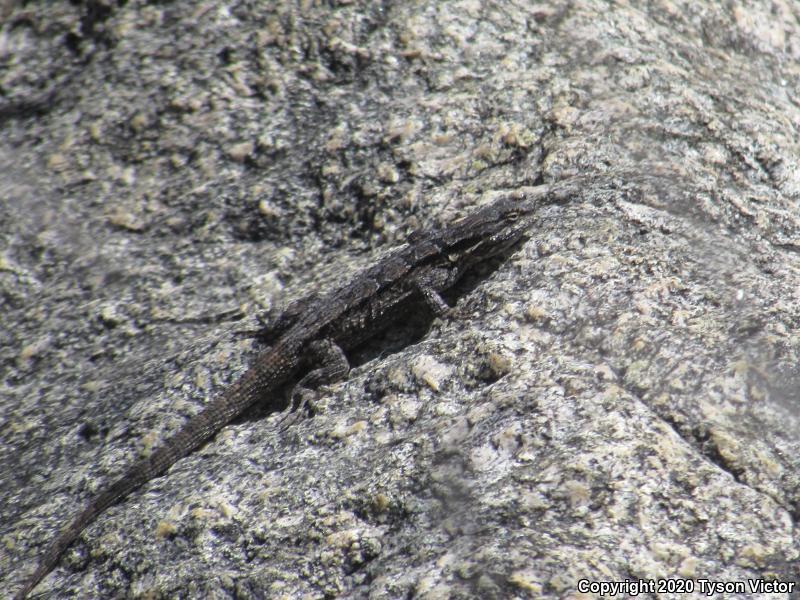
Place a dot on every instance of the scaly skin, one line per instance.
(431, 262)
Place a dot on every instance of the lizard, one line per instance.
(313, 334)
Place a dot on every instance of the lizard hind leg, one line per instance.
(333, 366)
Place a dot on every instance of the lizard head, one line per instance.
(499, 225)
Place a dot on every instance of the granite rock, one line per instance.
(617, 401)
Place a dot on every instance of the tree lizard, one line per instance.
(312, 334)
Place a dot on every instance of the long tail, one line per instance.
(196, 432)
(69, 534)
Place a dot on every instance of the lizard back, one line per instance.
(435, 258)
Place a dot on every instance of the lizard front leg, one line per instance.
(428, 285)
(433, 299)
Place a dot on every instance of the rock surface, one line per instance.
(619, 400)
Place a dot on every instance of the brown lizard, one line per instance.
(313, 333)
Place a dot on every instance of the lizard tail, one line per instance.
(193, 434)
(120, 488)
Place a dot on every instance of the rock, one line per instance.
(617, 401)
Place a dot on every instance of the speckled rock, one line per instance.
(617, 401)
